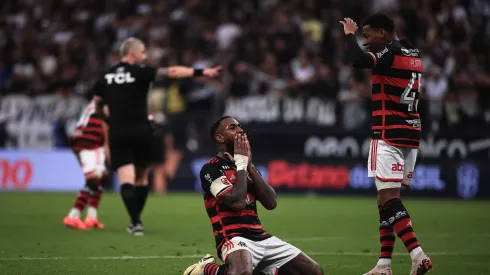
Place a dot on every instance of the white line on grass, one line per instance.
(195, 256)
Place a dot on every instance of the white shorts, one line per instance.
(267, 255)
(93, 161)
(391, 166)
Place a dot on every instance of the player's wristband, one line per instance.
(198, 72)
(241, 162)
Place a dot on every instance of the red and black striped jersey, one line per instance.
(396, 83)
(89, 131)
(217, 178)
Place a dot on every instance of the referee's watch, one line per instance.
(198, 72)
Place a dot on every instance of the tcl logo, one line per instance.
(119, 78)
(17, 174)
(397, 167)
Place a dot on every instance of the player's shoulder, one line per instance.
(215, 164)
(403, 48)
(98, 116)
(212, 163)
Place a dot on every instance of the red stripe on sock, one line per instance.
(95, 200)
(81, 201)
(210, 269)
(402, 225)
(385, 254)
(386, 232)
(388, 243)
(412, 246)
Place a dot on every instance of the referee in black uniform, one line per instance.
(124, 88)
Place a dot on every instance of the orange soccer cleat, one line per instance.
(93, 223)
(74, 223)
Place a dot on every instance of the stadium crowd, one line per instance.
(277, 47)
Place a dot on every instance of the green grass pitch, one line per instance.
(338, 232)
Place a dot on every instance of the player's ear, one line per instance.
(382, 33)
(219, 138)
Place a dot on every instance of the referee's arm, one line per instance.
(185, 72)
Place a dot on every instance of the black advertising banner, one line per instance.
(272, 113)
(457, 179)
(310, 127)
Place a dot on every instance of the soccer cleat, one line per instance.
(421, 264)
(380, 270)
(198, 268)
(74, 223)
(93, 223)
(135, 230)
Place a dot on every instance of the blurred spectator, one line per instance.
(273, 47)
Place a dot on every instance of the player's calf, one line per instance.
(387, 239)
(91, 220)
(401, 223)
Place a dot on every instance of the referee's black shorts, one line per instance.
(132, 145)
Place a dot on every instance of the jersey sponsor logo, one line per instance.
(397, 167)
(208, 178)
(410, 52)
(414, 122)
(380, 54)
(119, 78)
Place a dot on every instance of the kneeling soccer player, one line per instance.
(231, 187)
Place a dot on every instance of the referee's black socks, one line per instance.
(141, 195)
(128, 194)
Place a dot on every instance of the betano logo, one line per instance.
(308, 176)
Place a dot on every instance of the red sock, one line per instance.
(402, 224)
(386, 236)
(81, 200)
(215, 269)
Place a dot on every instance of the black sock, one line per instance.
(128, 194)
(141, 194)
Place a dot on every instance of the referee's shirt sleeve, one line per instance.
(214, 181)
(149, 73)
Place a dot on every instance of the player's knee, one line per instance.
(90, 176)
(385, 195)
(317, 269)
(92, 186)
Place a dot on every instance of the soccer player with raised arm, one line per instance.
(396, 86)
